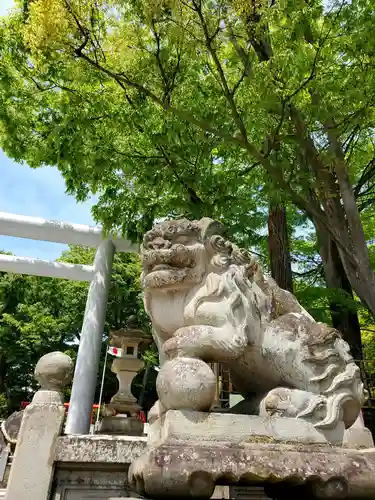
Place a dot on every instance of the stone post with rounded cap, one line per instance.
(32, 469)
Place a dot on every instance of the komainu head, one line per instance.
(180, 253)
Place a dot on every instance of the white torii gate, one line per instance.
(99, 276)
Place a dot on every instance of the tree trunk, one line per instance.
(344, 319)
(358, 265)
(338, 213)
(333, 202)
(278, 246)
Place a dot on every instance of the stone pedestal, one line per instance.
(188, 453)
(180, 426)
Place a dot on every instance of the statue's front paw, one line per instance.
(182, 344)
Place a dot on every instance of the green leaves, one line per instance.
(168, 109)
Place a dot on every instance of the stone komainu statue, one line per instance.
(209, 302)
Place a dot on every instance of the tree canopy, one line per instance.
(201, 107)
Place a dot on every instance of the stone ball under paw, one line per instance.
(186, 383)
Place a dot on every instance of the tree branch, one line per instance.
(85, 33)
(190, 191)
(367, 174)
(167, 96)
(318, 270)
(227, 92)
(122, 80)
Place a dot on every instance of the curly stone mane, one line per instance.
(233, 274)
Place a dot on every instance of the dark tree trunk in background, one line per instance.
(344, 319)
(278, 246)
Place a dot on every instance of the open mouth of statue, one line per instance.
(170, 267)
(167, 260)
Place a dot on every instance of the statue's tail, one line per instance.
(345, 396)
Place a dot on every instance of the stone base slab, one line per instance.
(98, 449)
(192, 470)
(188, 453)
(183, 426)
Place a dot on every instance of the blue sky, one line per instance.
(39, 193)
(4, 6)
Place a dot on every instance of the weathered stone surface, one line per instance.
(358, 436)
(231, 439)
(178, 426)
(32, 469)
(94, 481)
(189, 381)
(192, 470)
(99, 448)
(208, 300)
(129, 340)
(4, 455)
(3, 442)
(125, 368)
(246, 493)
(121, 425)
(54, 371)
(77, 481)
(221, 492)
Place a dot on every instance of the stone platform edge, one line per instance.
(167, 471)
(186, 425)
(99, 449)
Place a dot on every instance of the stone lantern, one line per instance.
(126, 344)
